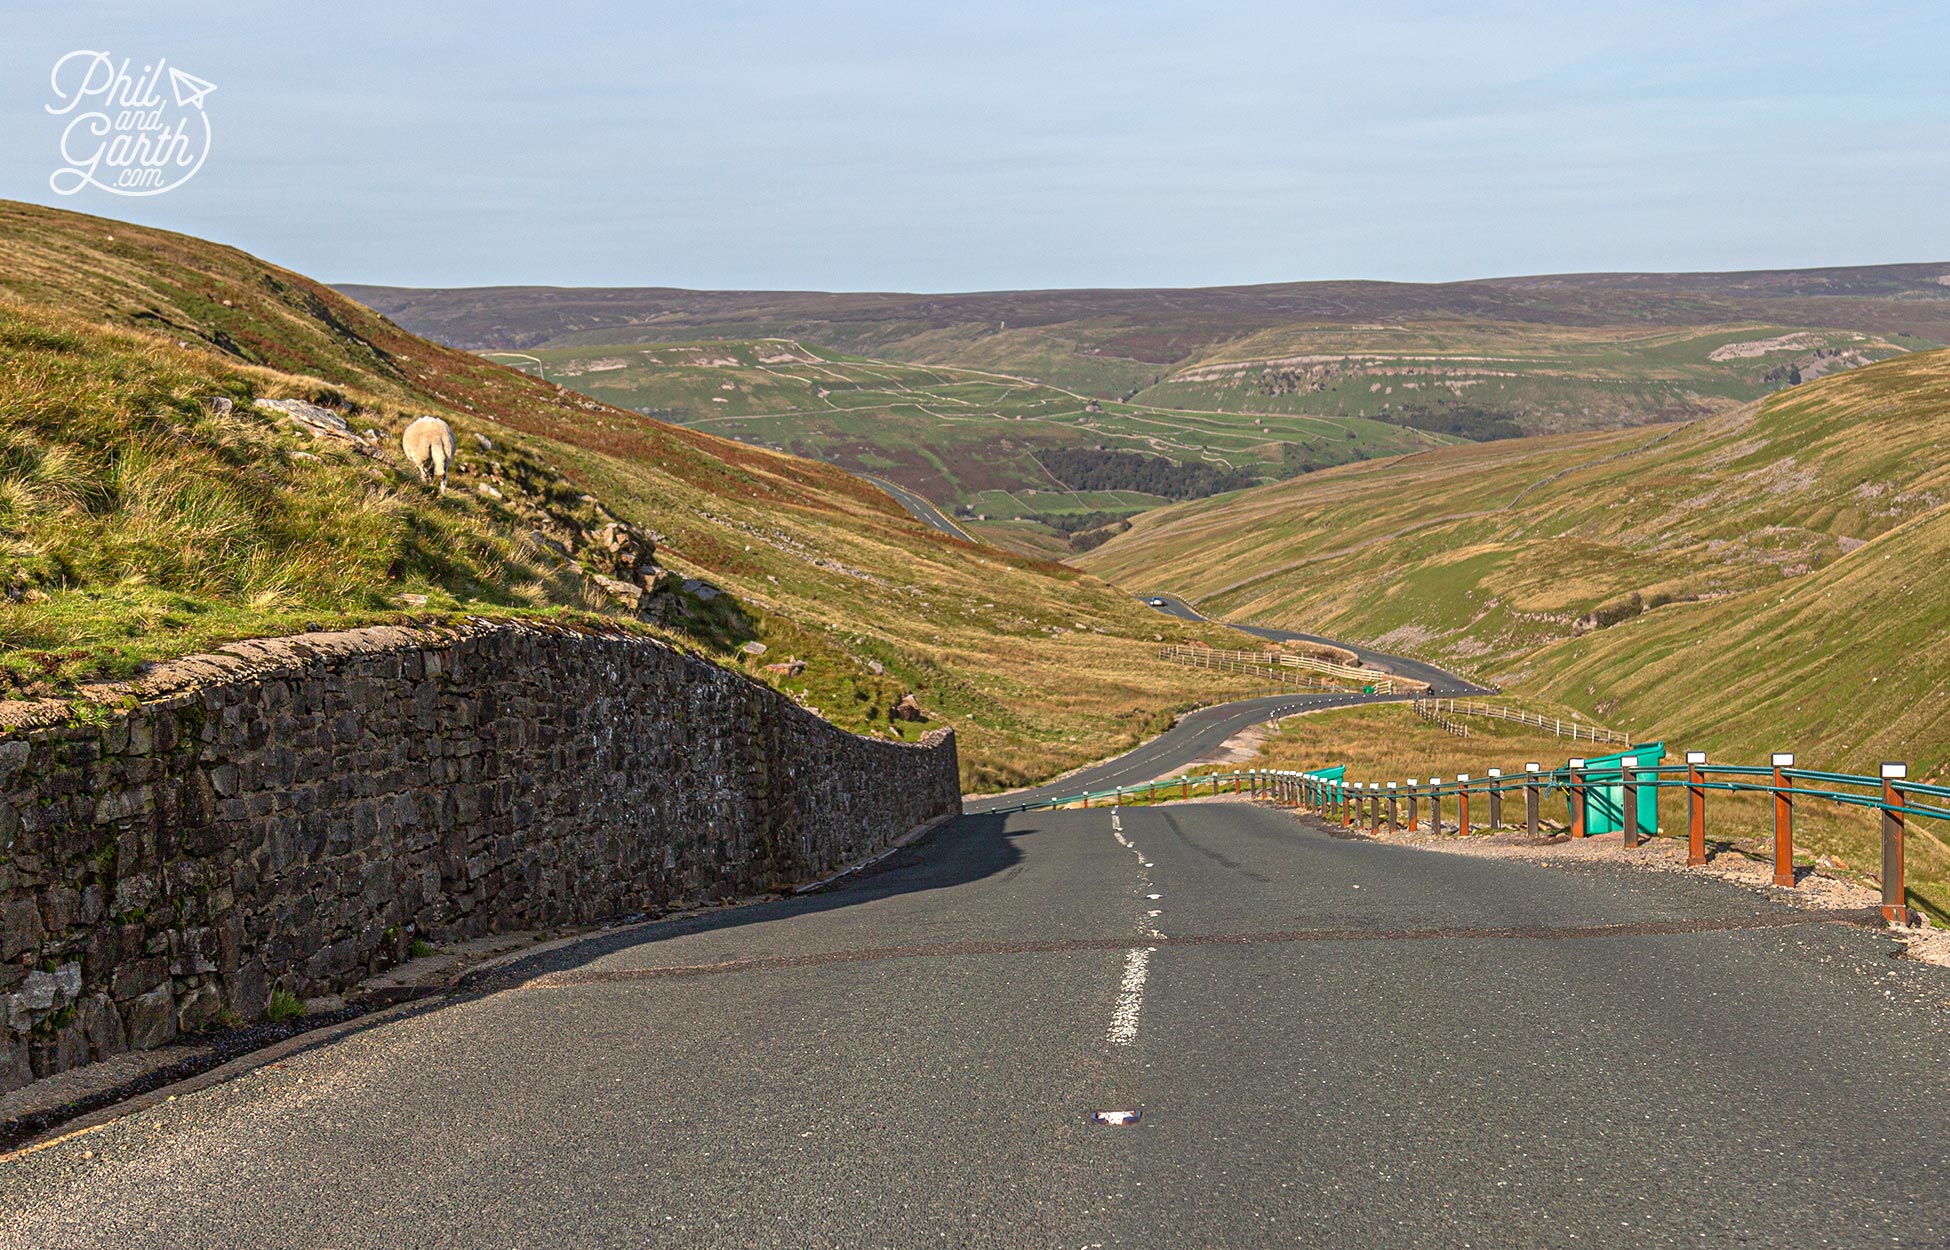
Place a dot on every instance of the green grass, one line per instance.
(954, 435)
(138, 522)
(283, 1006)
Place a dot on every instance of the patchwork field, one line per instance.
(953, 435)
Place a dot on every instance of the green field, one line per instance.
(955, 436)
(1544, 379)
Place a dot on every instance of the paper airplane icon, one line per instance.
(189, 89)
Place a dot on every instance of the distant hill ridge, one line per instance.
(525, 316)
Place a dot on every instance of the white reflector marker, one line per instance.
(1117, 1119)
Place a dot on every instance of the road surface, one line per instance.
(1441, 681)
(920, 509)
(1332, 1043)
(1194, 736)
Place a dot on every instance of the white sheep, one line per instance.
(429, 445)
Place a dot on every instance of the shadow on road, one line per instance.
(966, 849)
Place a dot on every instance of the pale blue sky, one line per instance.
(993, 145)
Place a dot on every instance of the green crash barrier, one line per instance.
(1604, 789)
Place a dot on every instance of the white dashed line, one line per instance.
(1130, 997)
(1137, 961)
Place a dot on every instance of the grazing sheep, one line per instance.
(429, 445)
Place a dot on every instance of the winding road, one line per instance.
(1325, 1042)
(1440, 681)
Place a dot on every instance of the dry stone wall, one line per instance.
(290, 814)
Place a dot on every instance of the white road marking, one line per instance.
(1130, 997)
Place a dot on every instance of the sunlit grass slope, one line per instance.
(140, 520)
(1478, 555)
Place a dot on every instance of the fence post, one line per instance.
(1577, 798)
(1374, 807)
(1414, 818)
(1496, 798)
(1348, 800)
(1086, 802)
(1394, 808)
(1628, 819)
(1895, 899)
(1696, 808)
(1783, 819)
(1462, 796)
(1532, 796)
(1435, 805)
(1184, 787)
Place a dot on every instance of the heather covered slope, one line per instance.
(141, 519)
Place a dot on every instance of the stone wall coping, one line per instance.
(174, 683)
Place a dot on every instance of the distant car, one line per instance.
(1156, 603)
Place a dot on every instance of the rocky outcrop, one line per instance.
(291, 814)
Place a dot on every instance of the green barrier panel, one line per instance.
(1604, 790)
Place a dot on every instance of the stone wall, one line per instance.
(290, 814)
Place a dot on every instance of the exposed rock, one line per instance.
(876, 667)
(20, 927)
(754, 648)
(630, 595)
(908, 709)
(152, 1018)
(318, 422)
(787, 668)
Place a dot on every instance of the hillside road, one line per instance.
(1331, 1042)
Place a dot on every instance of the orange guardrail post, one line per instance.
(1895, 897)
(1414, 818)
(1783, 819)
(1533, 796)
(1577, 798)
(1462, 798)
(1696, 808)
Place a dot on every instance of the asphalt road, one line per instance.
(1194, 736)
(1332, 1043)
(1440, 681)
(919, 508)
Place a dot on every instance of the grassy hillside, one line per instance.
(141, 518)
(1494, 556)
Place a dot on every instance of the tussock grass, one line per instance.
(137, 522)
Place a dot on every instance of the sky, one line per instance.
(984, 146)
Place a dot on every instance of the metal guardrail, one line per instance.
(1380, 805)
